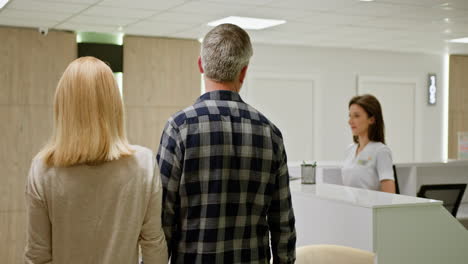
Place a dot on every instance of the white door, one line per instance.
(397, 98)
(288, 102)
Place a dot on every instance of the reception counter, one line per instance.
(411, 176)
(399, 229)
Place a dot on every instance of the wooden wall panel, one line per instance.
(12, 236)
(145, 124)
(160, 72)
(160, 77)
(458, 101)
(34, 63)
(30, 67)
(12, 159)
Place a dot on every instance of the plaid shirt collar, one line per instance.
(220, 95)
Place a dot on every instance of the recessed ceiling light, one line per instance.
(447, 31)
(459, 40)
(3, 3)
(447, 20)
(444, 5)
(366, 0)
(248, 22)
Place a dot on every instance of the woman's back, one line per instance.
(97, 214)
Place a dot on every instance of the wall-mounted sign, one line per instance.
(432, 89)
(463, 145)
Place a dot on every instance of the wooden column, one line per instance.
(458, 101)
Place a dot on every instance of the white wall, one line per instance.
(334, 74)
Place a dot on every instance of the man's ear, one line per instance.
(243, 73)
(200, 65)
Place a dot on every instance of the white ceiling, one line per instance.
(400, 25)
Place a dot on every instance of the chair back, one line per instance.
(397, 187)
(450, 194)
(333, 254)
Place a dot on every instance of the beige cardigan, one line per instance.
(95, 214)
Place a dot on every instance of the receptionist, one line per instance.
(368, 163)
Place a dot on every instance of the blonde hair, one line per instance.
(89, 123)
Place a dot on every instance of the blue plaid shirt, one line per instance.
(225, 185)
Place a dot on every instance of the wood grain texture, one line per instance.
(160, 72)
(160, 78)
(145, 124)
(32, 64)
(458, 101)
(30, 67)
(12, 236)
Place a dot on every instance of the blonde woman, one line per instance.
(92, 197)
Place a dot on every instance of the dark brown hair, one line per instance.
(371, 105)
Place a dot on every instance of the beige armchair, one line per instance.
(332, 254)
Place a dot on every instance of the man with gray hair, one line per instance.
(223, 167)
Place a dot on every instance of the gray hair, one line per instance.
(225, 50)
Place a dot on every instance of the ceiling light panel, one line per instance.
(459, 40)
(3, 3)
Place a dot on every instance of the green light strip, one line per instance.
(103, 38)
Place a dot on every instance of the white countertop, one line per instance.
(339, 164)
(433, 164)
(358, 197)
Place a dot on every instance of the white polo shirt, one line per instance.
(366, 169)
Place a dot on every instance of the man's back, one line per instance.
(226, 185)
